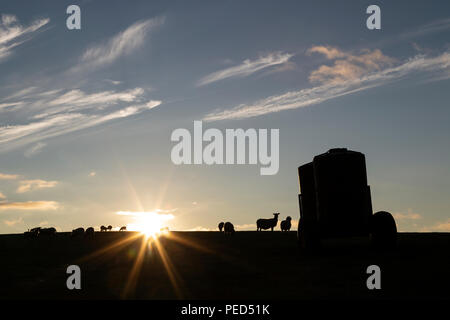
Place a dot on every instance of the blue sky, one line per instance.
(86, 115)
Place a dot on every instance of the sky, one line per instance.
(86, 115)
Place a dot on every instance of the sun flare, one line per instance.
(151, 224)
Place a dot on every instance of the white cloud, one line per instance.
(12, 33)
(432, 27)
(56, 112)
(433, 67)
(34, 149)
(120, 45)
(5, 176)
(29, 205)
(114, 82)
(30, 185)
(410, 215)
(443, 226)
(200, 228)
(77, 100)
(249, 226)
(246, 68)
(347, 66)
(11, 223)
(10, 105)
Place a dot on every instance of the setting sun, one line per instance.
(151, 223)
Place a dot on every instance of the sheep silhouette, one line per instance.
(89, 232)
(110, 227)
(221, 226)
(228, 228)
(47, 231)
(264, 224)
(103, 229)
(286, 224)
(124, 228)
(33, 233)
(77, 232)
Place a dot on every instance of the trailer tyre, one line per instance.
(308, 236)
(383, 230)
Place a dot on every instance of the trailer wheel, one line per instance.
(383, 230)
(308, 236)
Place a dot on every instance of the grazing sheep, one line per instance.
(89, 232)
(103, 228)
(33, 233)
(109, 227)
(47, 231)
(228, 228)
(267, 223)
(124, 228)
(221, 226)
(77, 232)
(286, 224)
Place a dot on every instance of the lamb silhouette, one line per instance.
(110, 227)
(228, 228)
(286, 224)
(124, 228)
(103, 229)
(221, 226)
(267, 223)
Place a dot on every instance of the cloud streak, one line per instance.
(37, 148)
(5, 176)
(246, 68)
(435, 67)
(57, 112)
(12, 33)
(30, 185)
(122, 44)
(29, 205)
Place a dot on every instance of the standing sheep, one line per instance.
(77, 232)
(286, 224)
(47, 231)
(110, 227)
(89, 232)
(124, 228)
(221, 226)
(103, 228)
(267, 223)
(228, 228)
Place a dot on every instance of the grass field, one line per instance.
(210, 265)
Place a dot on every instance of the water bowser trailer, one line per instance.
(335, 201)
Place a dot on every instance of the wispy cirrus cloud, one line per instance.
(56, 112)
(432, 27)
(30, 185)
(76, 100)
(12, 33)
(374, 73)
(246, 68)
(29, 205)
(37, 148)
(123, 43)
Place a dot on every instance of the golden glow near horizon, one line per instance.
(149, 223)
